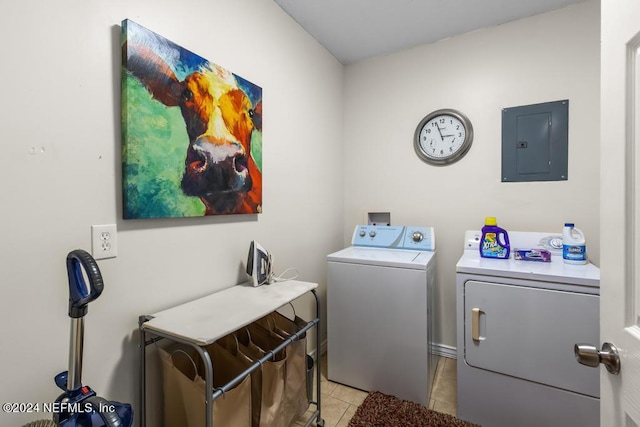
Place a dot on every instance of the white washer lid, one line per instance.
(401, 258)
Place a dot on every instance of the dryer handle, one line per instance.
(475, 324)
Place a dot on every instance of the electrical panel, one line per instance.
(535, 142)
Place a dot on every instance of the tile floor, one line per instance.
(340, 402)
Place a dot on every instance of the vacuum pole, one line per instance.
(85, 285)
(76, 343)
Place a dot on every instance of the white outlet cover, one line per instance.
(472, 239)
(104, 241)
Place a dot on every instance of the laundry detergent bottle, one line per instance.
(495, 240)
(574, 245)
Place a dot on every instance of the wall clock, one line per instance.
(443, 137)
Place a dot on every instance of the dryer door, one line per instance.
(529, 333)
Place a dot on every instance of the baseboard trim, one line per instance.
(323, 350)
(437, 349)
(444, 351)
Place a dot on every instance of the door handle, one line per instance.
(589, 355)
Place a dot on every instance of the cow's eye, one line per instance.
(187, 95)
(251, 113)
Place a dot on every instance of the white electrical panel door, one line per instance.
(529, 333)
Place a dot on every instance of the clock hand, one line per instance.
(439, 131)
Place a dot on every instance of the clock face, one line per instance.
(443, 137)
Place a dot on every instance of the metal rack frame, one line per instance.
(155, 335)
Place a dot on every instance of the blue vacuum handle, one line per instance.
(81, 293)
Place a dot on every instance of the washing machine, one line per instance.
(379, 306)
(517, 323)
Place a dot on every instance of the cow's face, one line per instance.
(218, 121)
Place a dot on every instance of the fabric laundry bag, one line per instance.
(295, 385)
(267, 382)
(296, 396)
(183, 382)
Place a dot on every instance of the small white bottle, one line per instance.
(574, 246)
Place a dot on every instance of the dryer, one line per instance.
(379, 305)
(517, 323)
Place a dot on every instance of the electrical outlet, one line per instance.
(104, 241)
(472, 239)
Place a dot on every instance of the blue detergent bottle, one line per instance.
(495, 240)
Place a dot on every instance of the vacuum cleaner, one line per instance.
(78, 405)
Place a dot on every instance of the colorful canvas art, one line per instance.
(191, 132)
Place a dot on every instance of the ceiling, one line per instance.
(353, 30)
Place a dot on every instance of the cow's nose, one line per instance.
(217, 151)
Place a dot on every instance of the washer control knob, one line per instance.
(372, 233)
(362, 233)
(417, 236)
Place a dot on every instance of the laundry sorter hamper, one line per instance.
(198, 324)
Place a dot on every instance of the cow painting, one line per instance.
(192, 132)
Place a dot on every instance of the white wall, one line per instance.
(548, 57)
(60, 85)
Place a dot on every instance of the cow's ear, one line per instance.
(256, 116)
(153, 72)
